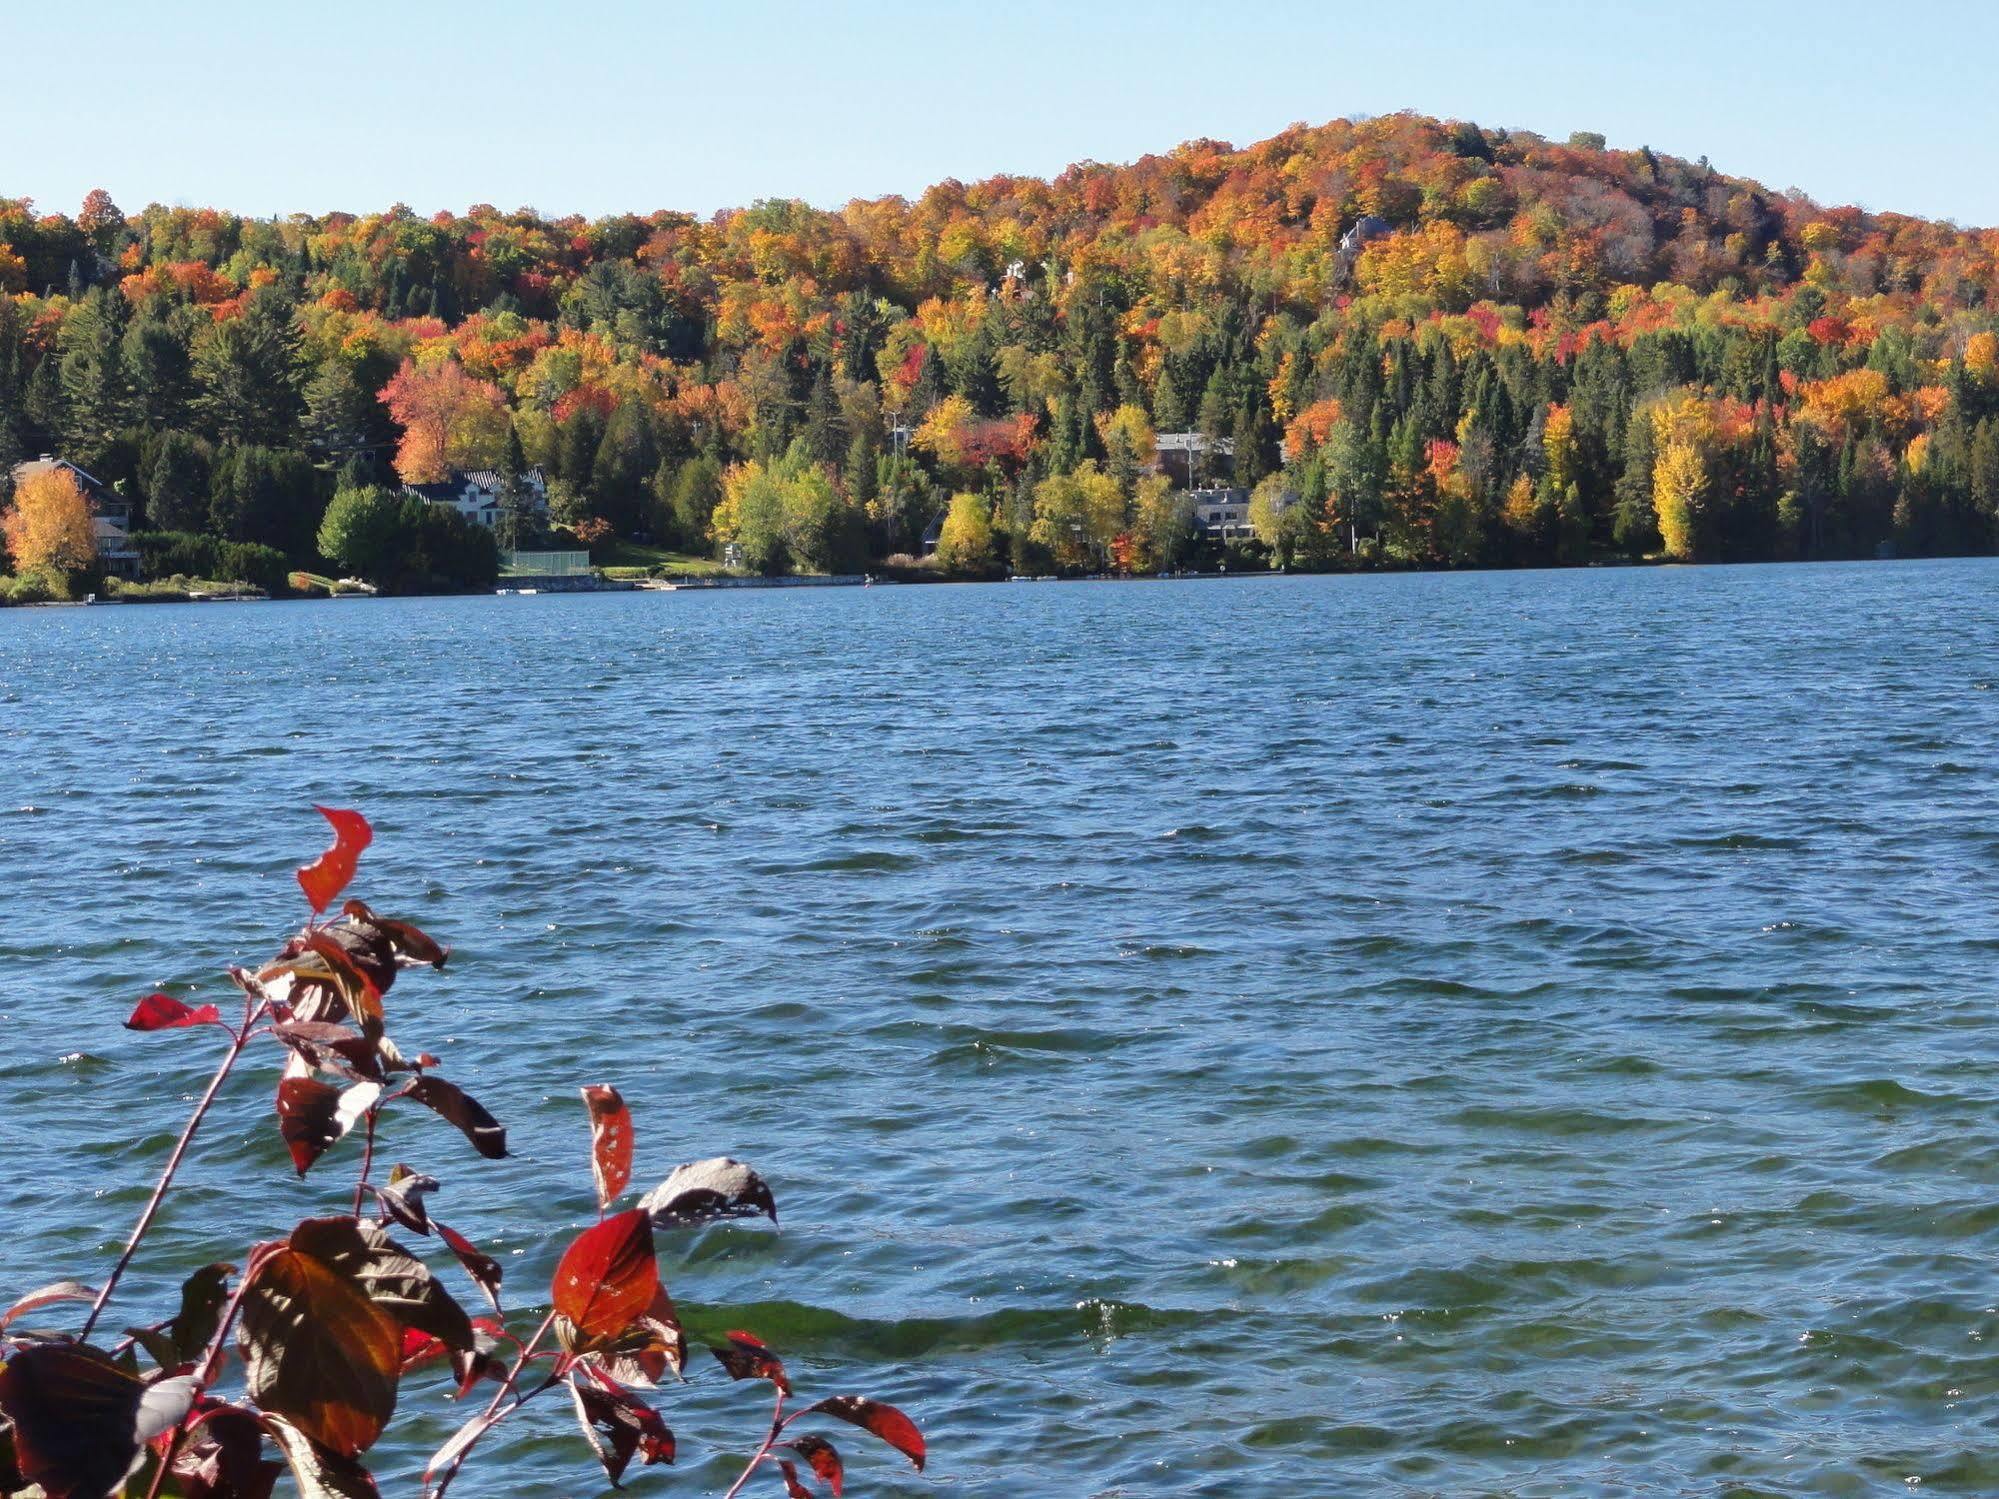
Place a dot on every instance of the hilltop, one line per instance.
(1415, 341)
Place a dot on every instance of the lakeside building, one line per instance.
(1187, 453)
(1222, 514)
(110, 514)
(475, 494)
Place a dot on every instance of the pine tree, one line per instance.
(96, 399)
(158, 370)
(248, 371)
(517, 511)
(177, 486)
(1636, 525)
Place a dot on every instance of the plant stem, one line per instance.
(209, 1369)
(367, 1160)
(506, 1387)
(253, 1011)
(770, 1441)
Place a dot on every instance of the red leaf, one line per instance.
(608, 1276)
(824, 1459)
(328, 875)
(749, 1357)
(884, 1421)
(162, 1012)
(420, 1348)
(610, 1143)
(446, 1460)
(793, 1489)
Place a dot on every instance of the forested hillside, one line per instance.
(1531, 352)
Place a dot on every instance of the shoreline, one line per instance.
(865, 580)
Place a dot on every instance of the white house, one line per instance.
(475, 493)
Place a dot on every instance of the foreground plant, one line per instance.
(294, 1359)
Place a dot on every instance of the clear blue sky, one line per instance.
(600, 106)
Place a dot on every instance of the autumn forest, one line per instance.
(1410, 342)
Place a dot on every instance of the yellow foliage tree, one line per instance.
(1981, 355)
(1684, 433)
(48, 525)
(1521, 513)
(1078, 515)
(1430, 264)
(1162, 523)
(1129, 442)
(941, 433)
(1558, 442)
(965, 542)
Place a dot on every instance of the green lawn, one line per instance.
(659, 560)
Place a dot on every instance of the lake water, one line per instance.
(1508, 1034)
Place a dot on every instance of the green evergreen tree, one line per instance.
(96, 397)
(248, 375)
(178, 485)
(1636, 527)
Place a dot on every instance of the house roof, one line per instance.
(47, 463)
(489, 478)
(485, 480)
(1193, 442)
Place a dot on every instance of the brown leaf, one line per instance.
(403, 1198)
(332, 1048)
(62, 1290)
(319, 1352)
(321, 1474)
(202, 1297)
(749, 1357)
(410, 945)
(393, 1278)
(616, 1423)
(650, 1348)
(483, 1268)
(487, 1134)
(224, 1459)
(703, 1191)
(607, 1277)
(610, 1143)
(312, 1115)
(80, 1421)
(884, 1421)
(360, 989)
(824, 1459)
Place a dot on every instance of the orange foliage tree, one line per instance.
(449, 420)
(48, 525)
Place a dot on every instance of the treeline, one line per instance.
(1423, 342)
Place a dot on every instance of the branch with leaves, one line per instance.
(293, 1362)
